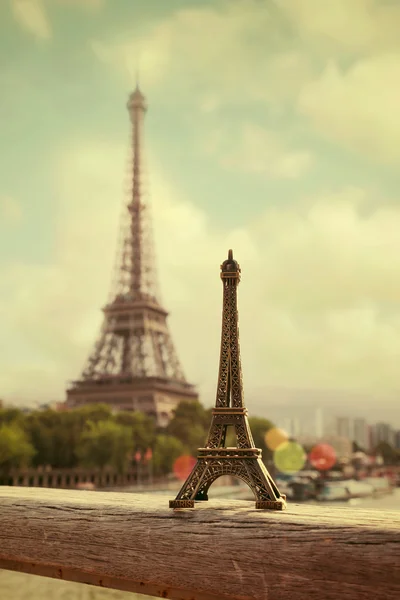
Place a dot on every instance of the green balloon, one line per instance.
(289, 457)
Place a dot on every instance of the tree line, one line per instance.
(95, 436)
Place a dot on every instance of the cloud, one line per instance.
(31, 15)
(86, 4)
(337, 65)
(319, 295)
(328, 255)
(86, 225)
(266, 51)
(358, 106)
(10, 211)
(353, 100)
(259, 150)
(343, 27)
(253, 59)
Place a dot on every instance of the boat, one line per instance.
(334, 491)
(358, 489)
(380, 485)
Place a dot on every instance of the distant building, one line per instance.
(319, 423)
(308, 441)
(291, 426)
(306, 421)
(343, 445)
(361, 434)
(382, 432)
(344, 427)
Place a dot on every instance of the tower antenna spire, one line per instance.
(137, 71)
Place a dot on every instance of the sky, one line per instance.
(273, 129)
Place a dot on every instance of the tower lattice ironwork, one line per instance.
(134, 365)
(244, 460)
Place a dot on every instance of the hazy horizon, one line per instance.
(270, 401)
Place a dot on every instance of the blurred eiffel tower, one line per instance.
(134, 365)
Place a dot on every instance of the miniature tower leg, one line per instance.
(243, 461)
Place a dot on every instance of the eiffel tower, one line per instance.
(134, 365)
(243, 461)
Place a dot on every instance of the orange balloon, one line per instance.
(275, 437)
(183, 466)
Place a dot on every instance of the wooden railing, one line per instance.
(100, 479)
(220, 550)
(70, 478)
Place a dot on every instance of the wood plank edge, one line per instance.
(114, 583)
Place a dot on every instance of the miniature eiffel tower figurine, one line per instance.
(216, 459)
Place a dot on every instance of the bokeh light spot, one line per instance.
(322, 457)
(289, 457)
(183, 466)
(275, 437)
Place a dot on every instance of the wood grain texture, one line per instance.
(222, 549)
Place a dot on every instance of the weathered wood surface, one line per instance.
(222, 549)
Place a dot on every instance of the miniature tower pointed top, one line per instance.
(230, 268)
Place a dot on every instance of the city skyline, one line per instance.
(312, 423)
(266, 147)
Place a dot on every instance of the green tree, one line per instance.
(190, 425)
(166, 450)
(15, 449)
(55, 435)
(94, 413)
(11, 415)
(105, 443)
(142, 428)
(41, 436)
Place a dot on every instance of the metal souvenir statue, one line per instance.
(244, 460)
